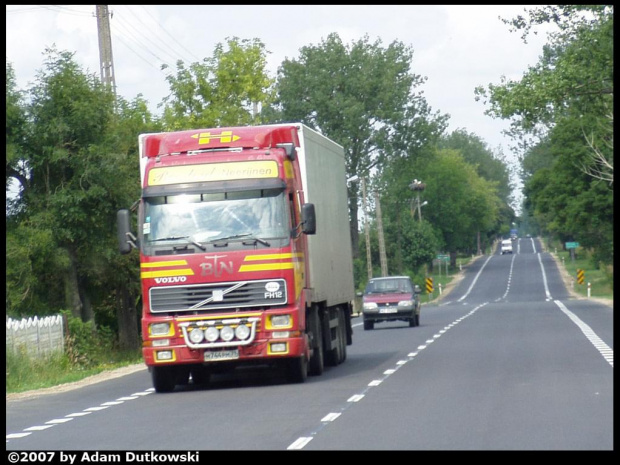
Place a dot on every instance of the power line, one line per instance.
(170, 35)
(63, 9)
(158, 37)
(121, 26)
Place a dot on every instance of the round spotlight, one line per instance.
(227, 333)
(242, 332)
(196, 335)
(212, 333)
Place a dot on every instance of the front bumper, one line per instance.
(389, 314)
(259, 350)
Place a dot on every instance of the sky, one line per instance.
(456, 47)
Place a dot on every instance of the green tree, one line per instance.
(230, 88)
(461, 203)
(488, 165)
(79, 166)
(361, 95)
(15, 132)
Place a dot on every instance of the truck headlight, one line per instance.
(196, 335)
(242, 332)
(212, 333)
(280, 321)
(405, 303)
(160, 329)
(227, 333)
(370, 305)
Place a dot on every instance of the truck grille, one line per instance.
(217, 296)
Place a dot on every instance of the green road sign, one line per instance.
(572, 245)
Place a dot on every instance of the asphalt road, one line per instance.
(507, 361)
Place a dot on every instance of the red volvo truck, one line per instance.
(245, 252)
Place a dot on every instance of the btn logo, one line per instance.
(273, 290)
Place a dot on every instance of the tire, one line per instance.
(412, 322)
(164, 378)
(297, 369)
(334, 356)
(369, 324)
(183, 375)
(343, 336)
(316, 363)
(201, 376)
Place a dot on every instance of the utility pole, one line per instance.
(366, 231)
(106, 64)
(382, 255)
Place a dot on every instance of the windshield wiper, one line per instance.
(174, 238)
(254, 239)
(239, 236)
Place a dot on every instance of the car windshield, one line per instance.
(385, 286)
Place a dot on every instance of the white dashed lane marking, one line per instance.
(303, 441)
(71, 416)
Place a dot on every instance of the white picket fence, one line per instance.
(35, 336)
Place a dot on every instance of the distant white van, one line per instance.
(506, 246)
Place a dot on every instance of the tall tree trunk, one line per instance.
(72, 290)
(355, 238)
(127, 317)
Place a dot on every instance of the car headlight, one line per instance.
(406, 303)
(370, 305)
(160, 329)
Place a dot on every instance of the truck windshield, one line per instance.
(202, 218)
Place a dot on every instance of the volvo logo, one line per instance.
(272, 286)
(173, 279)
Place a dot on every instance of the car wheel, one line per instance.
(369, 324)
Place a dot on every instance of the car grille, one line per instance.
(217, 296)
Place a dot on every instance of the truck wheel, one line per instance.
(334, 356)
(297, 369)
(316, 364)
(343, 335)
(164, 378)
(369, 324)
(183, 375)
(201, 376)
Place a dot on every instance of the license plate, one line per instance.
(388, 310)
(211, 356)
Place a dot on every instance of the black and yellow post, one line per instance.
(429, 287)
(580, 276)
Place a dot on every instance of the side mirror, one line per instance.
(308, 219)
(126, 240)
(359, 294)
(417, 289)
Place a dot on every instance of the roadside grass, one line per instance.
(600, 278)
(442, 277)
(26, 373)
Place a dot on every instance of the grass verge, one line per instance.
(25, 373)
